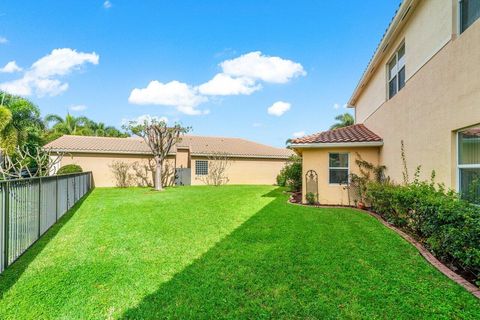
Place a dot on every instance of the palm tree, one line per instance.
(70, 125)
(8, 133)
(344, 120)
(20, 122)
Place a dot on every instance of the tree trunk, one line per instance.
(158, 175)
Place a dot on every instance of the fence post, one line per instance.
(56, 198)
(39, 207)
(6, 230)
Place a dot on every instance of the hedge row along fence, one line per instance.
(29, 207)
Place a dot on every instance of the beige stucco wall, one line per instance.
(318, 160)
(427, 30)
(246, 171)
(183, 158)
(441, 98)
(99, 164)
(239, 171)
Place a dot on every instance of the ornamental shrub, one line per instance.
(291, 174)
(311, 198)
(69, 168)
(447, 225)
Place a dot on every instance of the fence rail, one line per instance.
(29, 207)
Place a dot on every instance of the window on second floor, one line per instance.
(469, 13)
(396, 72)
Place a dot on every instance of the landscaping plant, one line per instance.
(291, 175)
(160, 138)
(311, 198)
(69, 168)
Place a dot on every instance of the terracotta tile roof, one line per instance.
(198, 145)
(354, 133)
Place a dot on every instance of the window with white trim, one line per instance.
(396, 72)
(201, 167)
(469, 164)
(338, 168)
(469, 13)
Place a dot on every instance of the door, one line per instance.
(183, 176)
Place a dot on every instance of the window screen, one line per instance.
(338, 168)
(469, 164)
(469, 13)
(396, 72)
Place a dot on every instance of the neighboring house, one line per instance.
(422, 86)
(249, 162)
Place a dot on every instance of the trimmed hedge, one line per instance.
(448, 226)
(69, 168)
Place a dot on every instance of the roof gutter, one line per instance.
(69, 151)
(336, 145)
(392, 30)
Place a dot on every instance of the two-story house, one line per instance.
(422, 87)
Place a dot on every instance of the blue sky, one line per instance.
(307, 55)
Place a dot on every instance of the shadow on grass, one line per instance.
(199, 289)
(13, 272)
(294, 262)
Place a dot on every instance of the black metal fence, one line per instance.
(29, 207)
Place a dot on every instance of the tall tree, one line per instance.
(343, 120)
(25, 126)
(80, 126)
(68, 125)
(8, 133)
(160, 138)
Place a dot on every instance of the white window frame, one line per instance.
(396, 71)
(463, 166)
(348, 168)
(197, 166)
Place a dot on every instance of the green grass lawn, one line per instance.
(223, 252)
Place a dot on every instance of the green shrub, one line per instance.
(311, 198)
(291, 174)
(69, 168)
(281, 179)
(448, 226)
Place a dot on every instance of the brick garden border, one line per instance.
(475, 291)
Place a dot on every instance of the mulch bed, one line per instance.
(296, 198)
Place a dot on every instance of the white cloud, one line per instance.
(279, 108)
(336, 106)
(257, 66)
(41, 75)
(78, 107)
(174, 93)
(3, 40)
(107, 4)
(240, 76)
(11, 67)
(144, 118)
(299, 134)
(61, 62)
(224, 85)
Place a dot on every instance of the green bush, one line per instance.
(282, 179)
(447, 225)
(69, 168)
(291, 174)
(311, 198)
